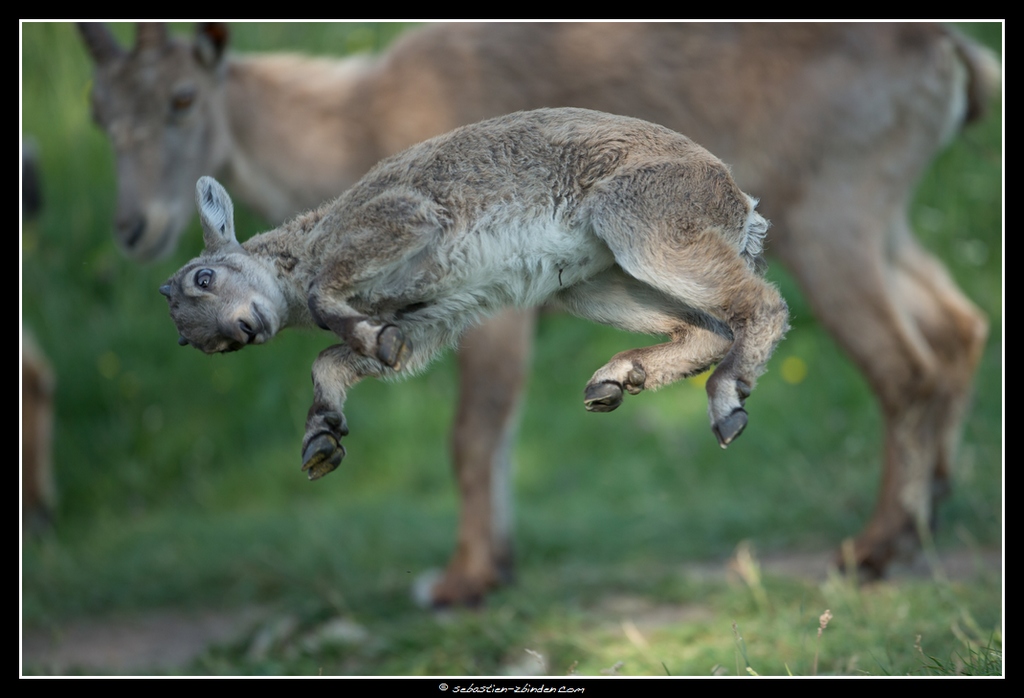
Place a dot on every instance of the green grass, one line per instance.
(179, 478)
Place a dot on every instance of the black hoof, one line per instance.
(322, 455)
(602, 397)
(729, 428)
(392, 348)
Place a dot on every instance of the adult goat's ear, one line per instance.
(217, 214)
(211, 43)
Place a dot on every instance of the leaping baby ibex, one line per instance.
(614, 219)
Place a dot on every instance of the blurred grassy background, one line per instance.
(178, 473)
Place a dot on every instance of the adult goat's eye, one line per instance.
(182, 99)
(204, 277)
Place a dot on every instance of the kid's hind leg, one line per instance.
(758, 318)
(756, 333)
(697, 340)
(692, 351)
(699, 247)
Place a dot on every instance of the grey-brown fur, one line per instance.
(831, 124)
(614, 219)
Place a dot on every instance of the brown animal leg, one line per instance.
(923, 431)
(37, 489)
(493, 361)
(917, 340)
(956, 329)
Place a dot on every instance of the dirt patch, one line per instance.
(123, 645)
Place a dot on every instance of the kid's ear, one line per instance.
(217, 214)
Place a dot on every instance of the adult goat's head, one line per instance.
(161, 104)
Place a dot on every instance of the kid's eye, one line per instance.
(204, 277)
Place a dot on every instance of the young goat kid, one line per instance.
(611, 218)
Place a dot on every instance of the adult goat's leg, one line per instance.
(924, 423)
(915, 338)
(956, 330)
(493, 363)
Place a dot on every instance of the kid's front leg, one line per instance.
(335, 370)
(367, 336)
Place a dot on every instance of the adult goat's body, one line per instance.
(831, 125)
